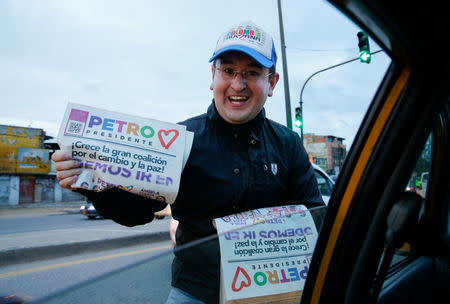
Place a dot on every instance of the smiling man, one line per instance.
(240, 160)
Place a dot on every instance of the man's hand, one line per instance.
(173, 230)
(67, 169)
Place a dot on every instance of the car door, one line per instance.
(365, 252)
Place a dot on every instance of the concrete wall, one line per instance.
(47, 190)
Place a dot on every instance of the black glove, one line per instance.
(123, 207)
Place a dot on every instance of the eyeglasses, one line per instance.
(248, 75)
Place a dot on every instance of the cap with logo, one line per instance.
(250, 39)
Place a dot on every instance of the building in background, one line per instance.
(25, 168)
(328, 152)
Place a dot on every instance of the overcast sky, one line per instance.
(150, 58)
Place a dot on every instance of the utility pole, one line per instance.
(285, 72)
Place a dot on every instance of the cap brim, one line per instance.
(261, 59)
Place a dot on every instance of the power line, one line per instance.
(323, 50)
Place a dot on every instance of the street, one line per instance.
(132, 267)
(36, 223)
(116, 276)
(33, 231)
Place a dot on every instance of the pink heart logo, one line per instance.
(168, 136)
(242, 283)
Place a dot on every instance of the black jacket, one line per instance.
(231, 168)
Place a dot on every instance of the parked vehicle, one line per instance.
(89, 210)
(325, 183)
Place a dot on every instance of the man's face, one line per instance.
(239, 100)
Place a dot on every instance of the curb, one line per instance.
(38, 209)
(25, 255)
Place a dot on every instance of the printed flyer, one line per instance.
(139, 155)
(265, 252)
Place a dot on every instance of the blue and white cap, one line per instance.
(250, 39)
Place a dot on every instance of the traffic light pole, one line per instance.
(315, 73)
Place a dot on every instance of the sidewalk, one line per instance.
(40, 208)
(29, 246)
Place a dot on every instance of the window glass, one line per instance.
(150, 59)
(418, 183)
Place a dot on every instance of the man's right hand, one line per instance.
(67, 168)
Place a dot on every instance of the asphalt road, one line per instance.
(46, 222)
(39, 236)
(139, 274)
(34, 223)
(46, 230)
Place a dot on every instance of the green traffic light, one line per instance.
(298, 118)
(364, 56)
(364, 48)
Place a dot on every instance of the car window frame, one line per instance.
(343, 263)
